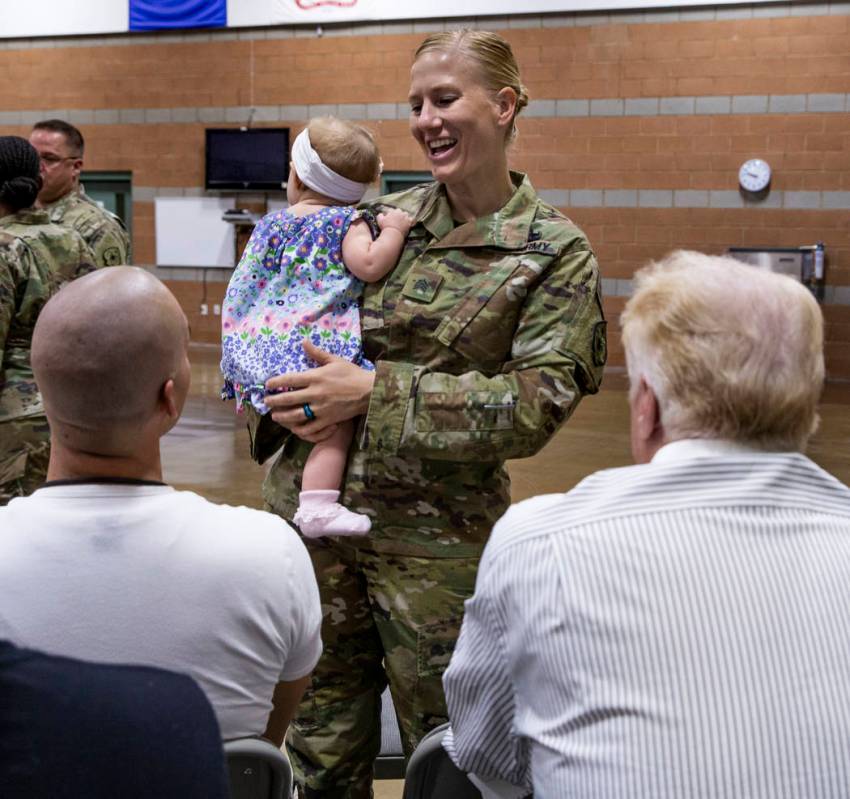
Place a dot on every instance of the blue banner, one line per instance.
(151, 15)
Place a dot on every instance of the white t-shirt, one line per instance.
(149, 575)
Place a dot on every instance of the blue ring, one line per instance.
(308, 411)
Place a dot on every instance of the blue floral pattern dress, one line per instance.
(290, 284)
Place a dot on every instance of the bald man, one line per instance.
(108, 563)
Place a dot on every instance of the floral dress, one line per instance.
(290, 284)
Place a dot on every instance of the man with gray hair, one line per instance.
(108, 563)
(677, 628)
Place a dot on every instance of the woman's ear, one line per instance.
(506, 100)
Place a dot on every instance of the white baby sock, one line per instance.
(320, 514)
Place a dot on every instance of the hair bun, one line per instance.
(522, 98)
(20, 192)
(20, 180)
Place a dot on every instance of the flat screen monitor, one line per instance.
(247, 159)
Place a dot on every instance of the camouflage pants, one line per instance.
(24, 453)
(387, 618)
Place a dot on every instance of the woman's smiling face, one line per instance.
(460, 124)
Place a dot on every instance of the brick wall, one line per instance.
(637, 126)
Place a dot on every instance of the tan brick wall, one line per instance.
(753, 56)
(809, 152)
(190, 294)
(207, 328)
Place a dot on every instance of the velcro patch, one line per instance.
(600, 343)
(422, 285)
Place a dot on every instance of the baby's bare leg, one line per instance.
(318, 512)
(326, 463)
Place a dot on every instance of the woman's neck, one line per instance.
(473, 199)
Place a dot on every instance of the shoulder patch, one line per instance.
(112, 256)
(600, 343)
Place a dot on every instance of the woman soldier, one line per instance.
(485, 336)
(36, 257)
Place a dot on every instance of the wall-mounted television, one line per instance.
(247, 159)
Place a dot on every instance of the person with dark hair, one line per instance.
(71, 729)
(36, 258)
(61, 148)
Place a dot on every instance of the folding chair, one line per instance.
(258, 770)
(431, 773)
(389, 764)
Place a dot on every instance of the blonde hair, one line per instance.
(731, 351)
(490, 53)
(346, 148)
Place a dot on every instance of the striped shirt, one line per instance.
(677, 629)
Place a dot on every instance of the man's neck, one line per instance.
(68, 464)
(39, 203)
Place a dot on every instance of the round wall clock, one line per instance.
(754, 175)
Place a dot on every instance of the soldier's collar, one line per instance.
(507, 228)
(64, 200)
(28, 216)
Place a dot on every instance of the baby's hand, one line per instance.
(396, 218)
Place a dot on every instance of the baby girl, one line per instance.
(301, 277)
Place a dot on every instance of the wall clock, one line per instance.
(754, 175)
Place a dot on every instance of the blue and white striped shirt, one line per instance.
(677, 629)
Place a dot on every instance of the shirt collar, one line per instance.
(104, 480)
(689, 448)
(508, 228)
(28, 216)
(63, 202)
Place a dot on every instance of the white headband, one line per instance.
(318, 177)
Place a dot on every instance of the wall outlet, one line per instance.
(216, 310)
(204, 309)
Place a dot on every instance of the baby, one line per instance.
(301, 277)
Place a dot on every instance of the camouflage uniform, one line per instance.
(36, 258)
(485, 337)
(104, 232)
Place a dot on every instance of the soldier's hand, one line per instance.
(335, 391)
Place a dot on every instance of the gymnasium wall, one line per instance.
(638, 123)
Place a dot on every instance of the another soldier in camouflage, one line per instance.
(36, 257)
(61, 148)
(485, 337)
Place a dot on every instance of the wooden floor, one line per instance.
(208, 451)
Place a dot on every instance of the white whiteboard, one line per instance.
(191, 232)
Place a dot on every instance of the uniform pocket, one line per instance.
(483, 324)
(464, 410)
(476, 299)
(435, 644)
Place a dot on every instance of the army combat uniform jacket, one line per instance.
(102, 231)
(36, 258)
(485, 336)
